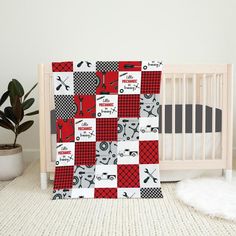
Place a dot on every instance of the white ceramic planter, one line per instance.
(11, 163)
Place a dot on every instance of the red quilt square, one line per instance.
(106, 129)
(128, 105)
(148, 152)
(65, 130)
(150, 82)
(105, 193)
(85, 153)
(62, 66)
(107, 82)
(128, 176)
(63, 177)
(85, 106)
(130, 66)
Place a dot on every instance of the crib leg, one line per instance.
(44, 180)
(228, 175)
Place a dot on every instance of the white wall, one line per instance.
(184, 31)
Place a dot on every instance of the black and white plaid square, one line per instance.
(64, 106)
(151, 193)
(85, 83)
(107, 66)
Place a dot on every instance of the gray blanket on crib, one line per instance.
(178, 119)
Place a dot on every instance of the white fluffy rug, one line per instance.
(214, 197)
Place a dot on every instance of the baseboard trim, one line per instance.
(30, 154)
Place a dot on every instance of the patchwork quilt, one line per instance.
(107, 121)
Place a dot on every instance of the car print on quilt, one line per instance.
(107, 129)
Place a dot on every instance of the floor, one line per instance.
(26, 210)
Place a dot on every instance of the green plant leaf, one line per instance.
(11, 89)
(3, 116)
(6, 125)
(18, 109)
(15, 88)
(27, 94)
(13, 94)
(32, 113)
(8, 111)
(28, 103)
(4, 97)
(24, 126)
(19, 87)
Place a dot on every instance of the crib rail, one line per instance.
(197, 84)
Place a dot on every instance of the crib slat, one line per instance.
(183, 115)
(163, 113)
(223, 107)
(213, 87)
(221, 92)
(180, 89)
(209, 92)
(173, 117)
(218, 91)
(194, 89)
(203, 117)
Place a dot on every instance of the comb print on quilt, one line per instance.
(107, 129)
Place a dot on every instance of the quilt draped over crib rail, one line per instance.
(107, 122)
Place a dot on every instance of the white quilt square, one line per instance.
(106, 106)
(106, 176)
(149, 175)
(128, 152)
(85, 130)
(65, 154)
(128, 193)
(149, 128)
(63, 83)
(82, 193)
(84, 66)
(129, 82)
(152, 66)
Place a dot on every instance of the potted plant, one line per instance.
(11, 118)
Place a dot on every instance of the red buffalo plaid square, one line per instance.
(85, 106)
(150, 82)
(148, 152)
(105, 193)
(62, 66)
(85, 153)
(106, 129)
(63, 177)
(128, 176)
(128, 105)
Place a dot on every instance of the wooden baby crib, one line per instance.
(196, 119)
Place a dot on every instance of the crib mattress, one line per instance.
(178, 130)
(178, 119)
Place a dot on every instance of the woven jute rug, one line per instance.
(26, 210)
